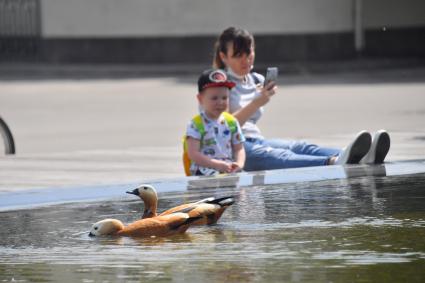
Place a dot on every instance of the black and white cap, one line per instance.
(214, 78)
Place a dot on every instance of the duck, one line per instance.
(209, 210)
(160, 226)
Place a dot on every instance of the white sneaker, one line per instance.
(353, 153)
(378, 151)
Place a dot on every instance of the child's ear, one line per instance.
(223, 57)
(199, 97)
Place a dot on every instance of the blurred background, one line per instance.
(183, 31)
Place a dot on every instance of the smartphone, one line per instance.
(271, 75)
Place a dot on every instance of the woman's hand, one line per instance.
(266, 93)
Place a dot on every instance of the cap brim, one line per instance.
(227, 84)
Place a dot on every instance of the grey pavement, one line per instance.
(103, 131)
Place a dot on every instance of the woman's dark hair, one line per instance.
(243, 43)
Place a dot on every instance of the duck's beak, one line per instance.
(91, 234)
(133, 192)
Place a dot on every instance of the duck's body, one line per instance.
(166, 225)
(209, 210)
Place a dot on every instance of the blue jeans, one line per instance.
(279, 154)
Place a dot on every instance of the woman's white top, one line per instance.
(241, 95)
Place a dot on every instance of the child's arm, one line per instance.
(193, 146)
(238, 157)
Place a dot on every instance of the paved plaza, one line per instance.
(92, 130)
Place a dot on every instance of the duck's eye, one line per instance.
(145, 188)
(95, 228)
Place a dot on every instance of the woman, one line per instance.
(235, 53)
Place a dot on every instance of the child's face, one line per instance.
(240, 64)
(214, 101)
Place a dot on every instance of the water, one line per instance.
(367, 229)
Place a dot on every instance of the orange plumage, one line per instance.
(166, 225)
(209, 210)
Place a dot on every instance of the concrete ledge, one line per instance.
(25, 199)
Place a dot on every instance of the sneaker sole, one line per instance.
(382, 148)
(360, 148)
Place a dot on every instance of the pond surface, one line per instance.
(366, 229)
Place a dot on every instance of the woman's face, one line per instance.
(240, 64)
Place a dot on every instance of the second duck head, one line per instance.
(148, 194)
(145, 192)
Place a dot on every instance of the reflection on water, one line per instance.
(369, 229)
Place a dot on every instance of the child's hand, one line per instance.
(223, 166)
(235, 167)
(266, 93)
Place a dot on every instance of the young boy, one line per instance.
(214, 137)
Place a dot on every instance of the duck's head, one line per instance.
(145, 192)
(106, 227)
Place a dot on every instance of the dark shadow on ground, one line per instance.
(404, 70)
